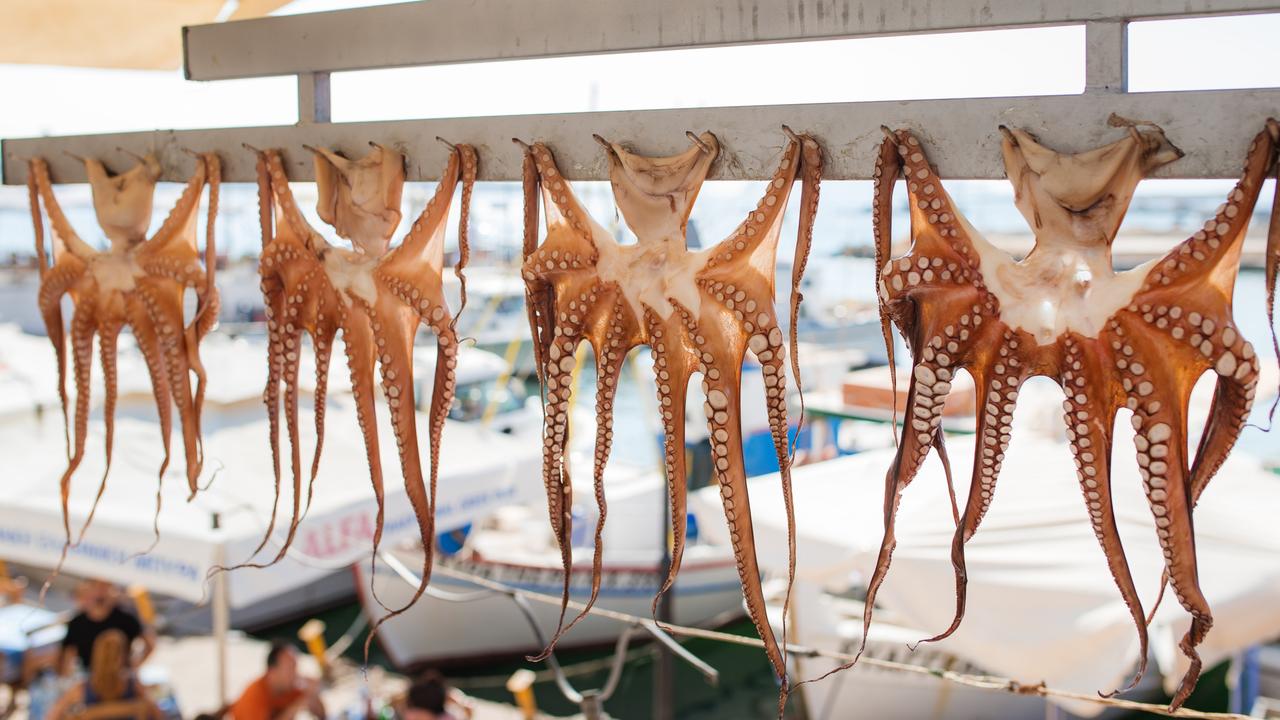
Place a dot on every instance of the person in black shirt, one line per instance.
(100, 611)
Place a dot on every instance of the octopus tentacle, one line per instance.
(323, 343)
(1212, 250)
(885, 175)
(811, 169)
(538, 294)
(926, 398)
(1160, 426)
(83, 325)
(762, 225)
(180, 217)
(673, 370)
(1162, 456)
(997, 394)
(393, 329)
(768, 346)
(108, 332)
(166, 317)
(272, 286)
(55, 281)
(1272, 267)
(208, 302)
(610, 354)
(274, 310)
(558, 372)
(298, 298)
(291, 338)
(357, 342)
(401, 306)
(55, 284)
(470, 166)
(724, 419)
(1089, 423)
(425, 241)
(1237, 383)
(443, 385)
(65, 239)
(144, 333)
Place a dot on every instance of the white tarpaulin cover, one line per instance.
(1042, 605)
(480, 469)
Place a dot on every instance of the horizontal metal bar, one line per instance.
(463, 31)
(1213, 127)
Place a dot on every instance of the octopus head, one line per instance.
(361, 198)
(656, 195)
(123, 202)
(1082, 197)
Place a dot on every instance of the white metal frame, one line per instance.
(1213, 127)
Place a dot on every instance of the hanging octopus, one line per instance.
(1137, 339)
(139, 282)
(378, 296)
(698, 311)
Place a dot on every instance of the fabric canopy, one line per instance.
(134, 35)
(1042, 605)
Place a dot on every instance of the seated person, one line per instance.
(429, 697)
(280, 693)
(111, 686)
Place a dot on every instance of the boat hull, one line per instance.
(439, 632)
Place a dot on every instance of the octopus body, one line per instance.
(699, 311)
(378, 296)
(136, 282)
(1136, 340)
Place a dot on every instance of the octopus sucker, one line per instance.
(137, 281)
(377, 295)
(1137, 339)
(696, 310)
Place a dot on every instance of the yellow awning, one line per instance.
(137, 35)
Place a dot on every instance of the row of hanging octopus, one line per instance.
(1137, 339)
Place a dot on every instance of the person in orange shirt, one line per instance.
(280, 693)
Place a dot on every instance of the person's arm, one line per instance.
(316, 706)
(67, 650)
(141, 635)
(70, 699)
(148, 641)
(309, 701)
(66, 660)
(463, 703)
(140, 692)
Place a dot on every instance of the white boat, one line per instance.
(436, 631)
(514, 546)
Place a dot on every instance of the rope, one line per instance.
(983, 682)
(586, 667)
